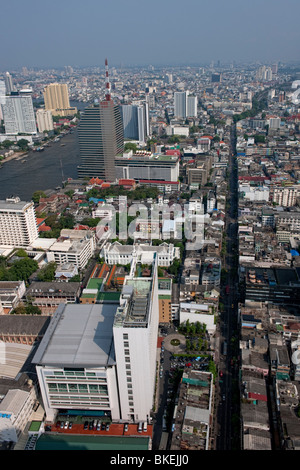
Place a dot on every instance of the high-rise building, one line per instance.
(18, 113)
(44, 120)
(136, 121)
(135, 338)
(18, 226)
(191, 106)
(9, 86)
(101, 358)
(101, 139)
(180, 104)
(56, 97)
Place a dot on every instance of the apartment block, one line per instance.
(18, 226)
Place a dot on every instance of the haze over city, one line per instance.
(136, 32)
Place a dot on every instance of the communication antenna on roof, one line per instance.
(107, 84)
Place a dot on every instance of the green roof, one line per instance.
(94, 283)
(102, 296)
(90, 442)
(35, 426)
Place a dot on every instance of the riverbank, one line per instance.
(14, 156)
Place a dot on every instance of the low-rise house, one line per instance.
(48, 295)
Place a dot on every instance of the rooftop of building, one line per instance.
(135, 299)
(53, 288)
(79, 336)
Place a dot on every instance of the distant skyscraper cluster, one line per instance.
(264, 73)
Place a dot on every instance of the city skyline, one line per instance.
(161, 34)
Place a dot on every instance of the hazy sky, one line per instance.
(55, 33)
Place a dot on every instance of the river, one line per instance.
(41, 170)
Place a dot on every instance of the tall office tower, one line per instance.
(44, 120)
(136, 121)
(180, 104)
(191, 106)
(101, 138)
(9, 86)
(56, 97)
(18, 113)
(18, 226)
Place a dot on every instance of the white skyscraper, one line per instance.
(9, 86)
(18, 226)
(18, 113)
(191, 106)
(180, 104)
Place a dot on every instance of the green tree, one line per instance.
(23, 144)
(47, 274)
(130, 146)
(37, 196)
(21, 270)
(7, 143)
(21, 253)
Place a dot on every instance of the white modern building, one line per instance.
(44, 120)
(135, 341)
(102, 357)
(144, 165)
(18, 113)
(73, 246)
(18, 226)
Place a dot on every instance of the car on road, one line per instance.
(86, 425)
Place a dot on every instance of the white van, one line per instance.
(145, 426)
(140, 428)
